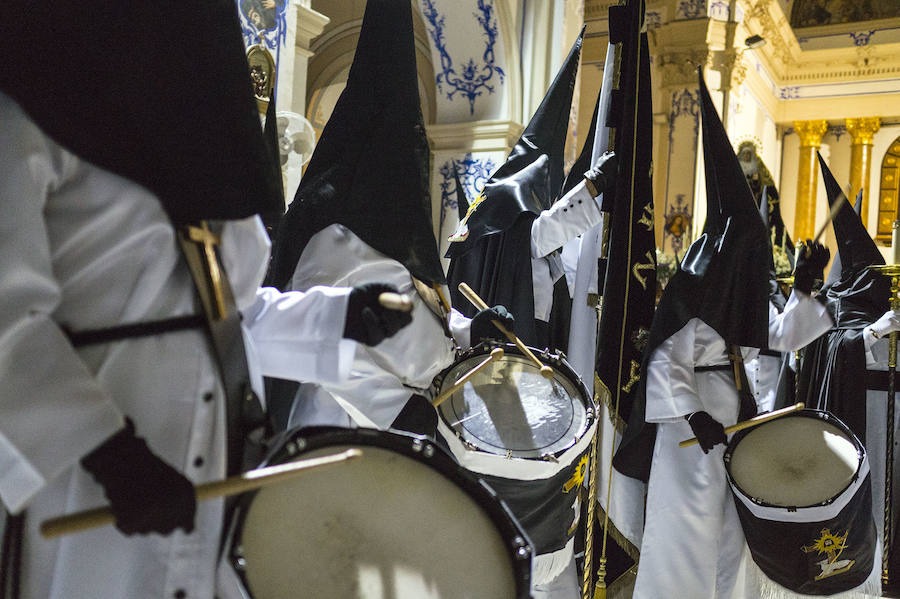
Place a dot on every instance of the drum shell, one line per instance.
(777, 547)
(540, 491)
(789, 543)
(294, 444)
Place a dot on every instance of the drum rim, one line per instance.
(557, 360)
(417, 447)
(805, 413)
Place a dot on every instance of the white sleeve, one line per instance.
(52, 410)
(671, 389)
(460, 328)
(877, 348)
(567, 218)
(299, 335)
(802, 321)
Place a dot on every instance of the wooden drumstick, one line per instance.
(496, 354)
(834, 210)
(470, 294)
(395, 301)
(751, 422)
(248, 481)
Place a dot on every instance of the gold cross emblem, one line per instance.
(208, 240)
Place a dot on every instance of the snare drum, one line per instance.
(802, 490)
(528, 437)
(398, 522)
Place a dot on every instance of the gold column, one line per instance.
(810, 133)
(861, 131)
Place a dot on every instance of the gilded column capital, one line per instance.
(862, 129)
(811, 132)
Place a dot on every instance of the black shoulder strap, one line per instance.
(244, 415)
(11, 556)
(747, 403)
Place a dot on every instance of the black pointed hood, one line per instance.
(834, 273)
(159, 94)
(270, 133)
(723, 278)
(369, 171)
(532, 176)
(857, 295)
(462, 200)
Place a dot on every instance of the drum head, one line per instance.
(508, 408)
(383, 526)
(794, 461)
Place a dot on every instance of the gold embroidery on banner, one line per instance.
(633, 377)
(647, 217)
(639, 266)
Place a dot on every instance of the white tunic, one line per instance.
(693, 543)
(382, 377)
(83, 248)
(762, 374)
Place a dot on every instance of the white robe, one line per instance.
(382, 377)
(83, 248)
(693, 544)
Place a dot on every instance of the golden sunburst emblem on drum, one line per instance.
(577, 476)
(832, 546)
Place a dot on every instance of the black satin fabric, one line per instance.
(157, 92)
(499, 271)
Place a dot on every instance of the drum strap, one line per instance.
(244, 416)
(745, 396)
(11, 556)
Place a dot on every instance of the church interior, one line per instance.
(789, 77)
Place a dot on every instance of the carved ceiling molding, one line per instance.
(773, 25)
(679, 68)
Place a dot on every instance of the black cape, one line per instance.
(491, 250)
(832, 372)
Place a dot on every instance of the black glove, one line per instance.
(602, 176)
(810, 265)
(367, 320)
(145, 493)
(483, 327)
(708, 430)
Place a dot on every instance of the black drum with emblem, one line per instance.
(802, 490)
(528, 437)
(399, 521)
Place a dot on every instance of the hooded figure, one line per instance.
(716, 306)
(125, 129)
(844, 372)
(362, 215)
(515, 218)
